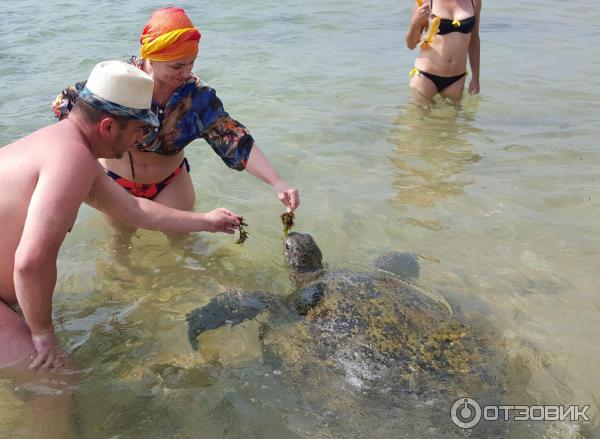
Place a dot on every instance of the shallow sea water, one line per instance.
(500, 198)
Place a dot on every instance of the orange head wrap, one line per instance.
(169, 35)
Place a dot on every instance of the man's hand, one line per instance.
(287, 195)
(222, 220)
(49, 353)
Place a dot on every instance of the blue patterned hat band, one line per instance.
(118, 110)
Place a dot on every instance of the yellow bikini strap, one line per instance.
(413, 72)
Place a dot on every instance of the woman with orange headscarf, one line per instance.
(187, 109)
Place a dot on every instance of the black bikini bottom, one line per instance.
(441, 82)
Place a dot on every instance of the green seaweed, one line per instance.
(243, 233)
(287, 219)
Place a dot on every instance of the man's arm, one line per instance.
(110, 198)
(60, 189)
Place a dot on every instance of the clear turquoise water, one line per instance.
(500, 198)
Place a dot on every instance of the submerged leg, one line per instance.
(402, 264)
(178, 194)
(120, 244)
(231, 307)
(423, 90)
(47, 395)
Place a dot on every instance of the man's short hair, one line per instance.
(91, 114)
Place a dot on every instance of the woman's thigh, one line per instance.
(423, 89)
(455, 91)
(179, 194)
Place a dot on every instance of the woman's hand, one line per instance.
(222, 220)
(474, 86)
(418, 22)
(289, 196)
(49, 353)
(421, 15)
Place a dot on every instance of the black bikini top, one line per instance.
(448, 25)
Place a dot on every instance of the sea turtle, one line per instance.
(375, 332)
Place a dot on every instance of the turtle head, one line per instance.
(301, 252)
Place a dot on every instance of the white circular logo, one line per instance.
(466, 412)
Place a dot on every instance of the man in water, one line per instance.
(45, 177)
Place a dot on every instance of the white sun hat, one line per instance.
(121, 89)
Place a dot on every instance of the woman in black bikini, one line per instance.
(442, 63)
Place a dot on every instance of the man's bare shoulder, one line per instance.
(54, 149)
(64, 149)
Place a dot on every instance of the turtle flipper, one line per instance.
(402, 264)
(231, 307)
